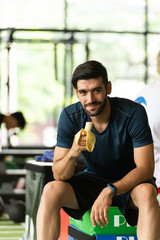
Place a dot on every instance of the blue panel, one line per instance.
(116, 237)
(70, 238)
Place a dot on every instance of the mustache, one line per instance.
(91, 104)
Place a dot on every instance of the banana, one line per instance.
(91, 139)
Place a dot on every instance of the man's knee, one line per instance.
(53, 191)
(144, 194)
(58, 194)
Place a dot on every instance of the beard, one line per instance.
(96, 111)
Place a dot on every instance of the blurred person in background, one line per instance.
(149, 97)
(14, 120)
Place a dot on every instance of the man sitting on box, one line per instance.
(119, 169)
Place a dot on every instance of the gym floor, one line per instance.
(10, 230)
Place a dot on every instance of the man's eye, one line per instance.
(82, 92)
(97, 90)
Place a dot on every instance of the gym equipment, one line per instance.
(117, 229)
(76, 234)
(1, 206)
(117, 224)
(38, 174)
(16, 211)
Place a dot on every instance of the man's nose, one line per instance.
(90, 97)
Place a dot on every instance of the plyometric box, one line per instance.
(76, 234)
(117, 224)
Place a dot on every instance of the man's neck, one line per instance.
(100, 121)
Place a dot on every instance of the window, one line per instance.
(42, 42)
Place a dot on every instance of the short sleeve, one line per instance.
(66, 131)
(139, 129)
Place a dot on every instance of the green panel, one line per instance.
(117, 224)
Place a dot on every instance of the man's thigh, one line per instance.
(142, 196)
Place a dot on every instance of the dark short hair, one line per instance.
(88, 70)
(20, 118)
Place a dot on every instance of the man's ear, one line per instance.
(76, 92)
(109, 88)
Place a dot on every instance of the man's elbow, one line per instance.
(56, 176)
(150, 172)
(59, 177)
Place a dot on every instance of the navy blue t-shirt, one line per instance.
(112, 157)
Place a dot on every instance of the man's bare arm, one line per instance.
(65, 159)
(144, 160)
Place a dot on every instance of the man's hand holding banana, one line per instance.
(89, 140)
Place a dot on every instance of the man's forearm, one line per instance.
(65, 159)
(64, 168)
(133, 178)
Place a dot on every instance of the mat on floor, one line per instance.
(10, 230)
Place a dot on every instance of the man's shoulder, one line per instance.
(72, 118)
(124, 104)
(74, 110)
(123, 110)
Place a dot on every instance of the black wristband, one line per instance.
(113, 188)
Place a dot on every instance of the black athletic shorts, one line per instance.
(87, 187)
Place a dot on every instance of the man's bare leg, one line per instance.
(144, 197)
(55, 195)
